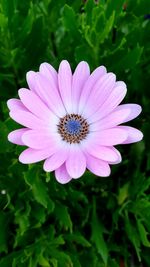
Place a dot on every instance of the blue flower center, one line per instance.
(73, 127)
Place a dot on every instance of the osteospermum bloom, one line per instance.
(72, 121)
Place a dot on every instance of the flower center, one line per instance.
(73, 128)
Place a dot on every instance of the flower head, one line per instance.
(72, 121)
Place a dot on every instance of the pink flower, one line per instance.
(73, 121)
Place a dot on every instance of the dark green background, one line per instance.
(90, 222)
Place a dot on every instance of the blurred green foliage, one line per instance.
(92, 222)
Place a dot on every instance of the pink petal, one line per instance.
(134, 135)
(76, 163)
(102, 152)
(31, 155)
(49, 94)
(80, 76)
(65, 83)
(27, 119)
(62, 175)
(135, 110)
(97, 166)
(113, 119)
(118, 160)
(108, 137)
(56, 160)
(30, 77)
(48, 71)
(15, 105)
(35, 105)
(99, 94)
(15, 136)
(111, 103)
(87, 89)
(40, 139)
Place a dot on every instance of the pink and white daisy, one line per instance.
(72, 121)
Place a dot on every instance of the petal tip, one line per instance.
(64, 62)
(106, 173)
(21, 92)
(139, 109)
(45, 168)
(43, 66)
(28, 74)
(9, 137)
(22, 159)
(9, 103)
(141, 135)
(63, 182)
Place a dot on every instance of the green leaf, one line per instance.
(54, 262)
(116, 5)
(8, 8)
(27, 24)
(79, 239)
(58, 241)
(133, 236)
(62, 258)
(5, 145)
(39, 188)
(84, 52)
(97, 235)
(38, 212)
(43, 261)
(123, 193)
(113, 263)
(3, 20)
(8, 260)
(108, 28)
(69, 19)
(130, 59)
(89, 5)
(22, 218)
(75, 260)
(143, 234)
(62, 215)
(4, 231)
